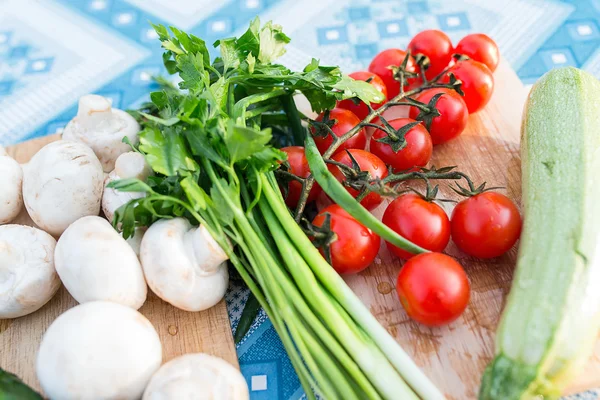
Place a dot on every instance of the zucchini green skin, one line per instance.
(552, 316)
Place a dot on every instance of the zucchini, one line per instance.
(552, 316)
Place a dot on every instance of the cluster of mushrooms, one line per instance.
(81, 355)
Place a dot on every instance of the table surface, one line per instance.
(53, 51)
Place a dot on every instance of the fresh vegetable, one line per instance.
(27, 267)
(184, 265)
(387, 64)
(197, 374)
(98, 350)
(551, 320)
(452, 114)
(354, 246)
(411, 147)
(358, 107)
(433, 289)
(62, 183)
(486, 225)
(249, 313)
(477, 83)
(95, 263)
(419, 220)
(361, 167)
(102, 128)
(13, 388)
(11, 182)
(436, 46)
(480, 47)
(128, 165)
(340, 121)
(298, 167)
(209, 148)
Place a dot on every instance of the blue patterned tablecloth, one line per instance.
(53, 51)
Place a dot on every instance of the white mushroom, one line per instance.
(184, 266)
(95, 263)
(135, 242)
(11, 184)
(102, 128)
(197, 377)
(98, 351)
(62, 183)
(28, 279)
(129, 165)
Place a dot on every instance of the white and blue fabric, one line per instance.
(53, 51)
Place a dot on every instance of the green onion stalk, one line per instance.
(210, 144)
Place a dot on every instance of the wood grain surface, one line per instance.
(454, 357)
(180, 331)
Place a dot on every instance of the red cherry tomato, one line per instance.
(361, 110)
(433, 289)
(477, 83)
(356, 246)
(480, 47)
(434, 44)
(380, 66)
(416, 153)
(422, 222)
(344, 121)
(486, 225)
(298, 167)
(367, 162)
(453, 114)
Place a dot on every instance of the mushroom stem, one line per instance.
(94, 111)
(204, 250)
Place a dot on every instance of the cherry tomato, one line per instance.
(356, 246)
(298, 167)
(367, 162)
(480, 47)
(433, 289)
(344, 121)
(361, 110)
(486, 225)
(437, 46)
(380, 66)
(416, 153)
(453, 114)
(477, 83)
(422, 222)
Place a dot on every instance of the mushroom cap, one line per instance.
(102, 128)
(28, 279)
(98, 351)
(62, 183)
(132, 165)
(174, 272)
(197, 376)
(135, 242)
(95, 263)
(113, 199)
(11, 182)
(129, 165)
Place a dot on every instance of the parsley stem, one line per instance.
(298, 131)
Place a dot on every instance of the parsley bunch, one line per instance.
(212, 144)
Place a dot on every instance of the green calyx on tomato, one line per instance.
(355, 247)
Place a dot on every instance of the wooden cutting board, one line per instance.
(180, 331)
(454, 357)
